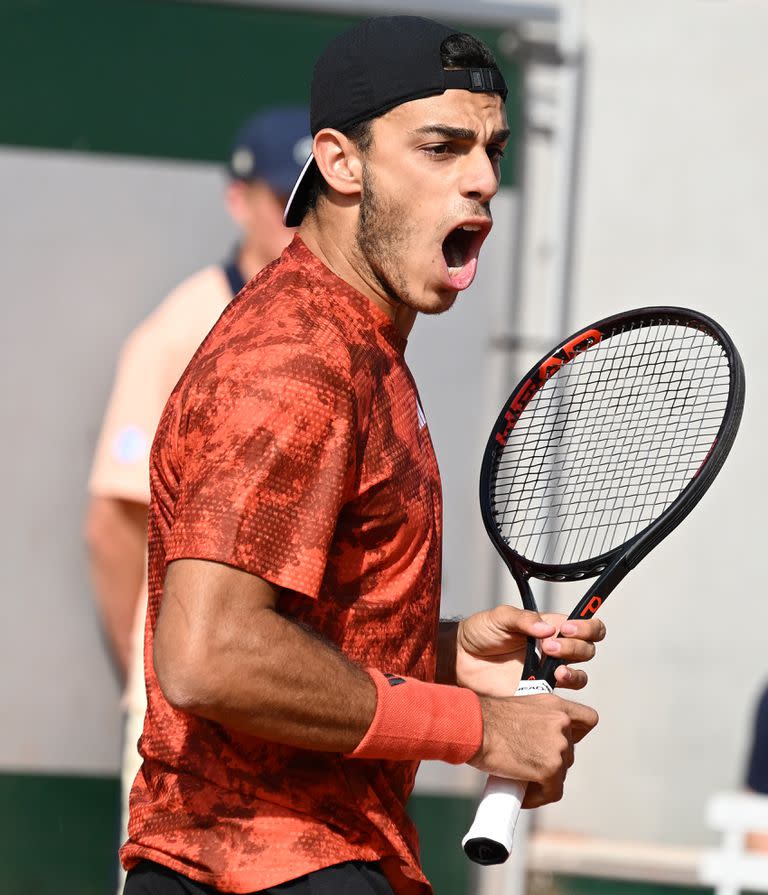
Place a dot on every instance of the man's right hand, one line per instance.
(531, 738)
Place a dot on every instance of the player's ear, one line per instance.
(339, 162)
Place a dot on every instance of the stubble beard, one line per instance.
(384, 235)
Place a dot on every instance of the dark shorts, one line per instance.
(350, 878)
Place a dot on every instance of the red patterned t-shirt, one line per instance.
(294, 447)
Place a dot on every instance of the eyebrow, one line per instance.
(459, 133)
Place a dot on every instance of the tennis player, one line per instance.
(299, 669)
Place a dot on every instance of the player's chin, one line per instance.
(438, 301)
(570, 678)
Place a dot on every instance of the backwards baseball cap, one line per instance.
(272, 146)
(376, 65)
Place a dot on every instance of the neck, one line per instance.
(331, 237)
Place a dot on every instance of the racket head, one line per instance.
(609, 441)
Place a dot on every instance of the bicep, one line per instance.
(205, 609)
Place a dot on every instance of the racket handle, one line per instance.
(489, 840)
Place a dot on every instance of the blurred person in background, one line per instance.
(757, 771)
(264, 162)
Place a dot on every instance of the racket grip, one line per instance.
(489, 840)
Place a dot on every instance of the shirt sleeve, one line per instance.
(121, 462)
(266, 466)
(757, 773)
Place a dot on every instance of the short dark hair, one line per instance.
(456, 51)
(466, 51)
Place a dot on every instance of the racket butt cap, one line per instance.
(485, 851)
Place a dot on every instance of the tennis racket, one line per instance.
(599, 453)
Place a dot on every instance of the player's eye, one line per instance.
(437, 149)
(495, 153)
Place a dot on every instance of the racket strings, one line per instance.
(620, 459)
(575, 537)
(653, 497)
(609, 442)
(671, 372)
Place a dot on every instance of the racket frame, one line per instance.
(612, 565)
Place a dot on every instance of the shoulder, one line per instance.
(280, 322)
(185, 315)
(280, 361)
(269, 371)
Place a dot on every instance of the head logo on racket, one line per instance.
(538, 377)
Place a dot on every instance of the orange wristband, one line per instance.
(419, 721)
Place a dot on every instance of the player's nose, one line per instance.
(480, 181)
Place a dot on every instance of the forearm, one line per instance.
(281, 683)
(115, 535)
(223, 652)
(446, 652)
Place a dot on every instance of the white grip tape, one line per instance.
(497, 813)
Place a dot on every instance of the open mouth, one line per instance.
(461, 248)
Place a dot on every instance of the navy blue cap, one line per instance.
(272, 146)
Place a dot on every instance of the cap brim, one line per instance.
(297, 201)
(281, 180)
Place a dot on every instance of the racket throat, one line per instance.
(532, 661)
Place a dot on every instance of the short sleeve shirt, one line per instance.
(294, 448)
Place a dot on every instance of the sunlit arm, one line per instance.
(223, 652)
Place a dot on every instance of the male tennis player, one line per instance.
(300, 672)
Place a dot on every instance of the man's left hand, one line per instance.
(490, 648)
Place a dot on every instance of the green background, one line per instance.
(161, 79)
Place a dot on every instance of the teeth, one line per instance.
(472, 228)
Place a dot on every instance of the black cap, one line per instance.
(373, 67)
